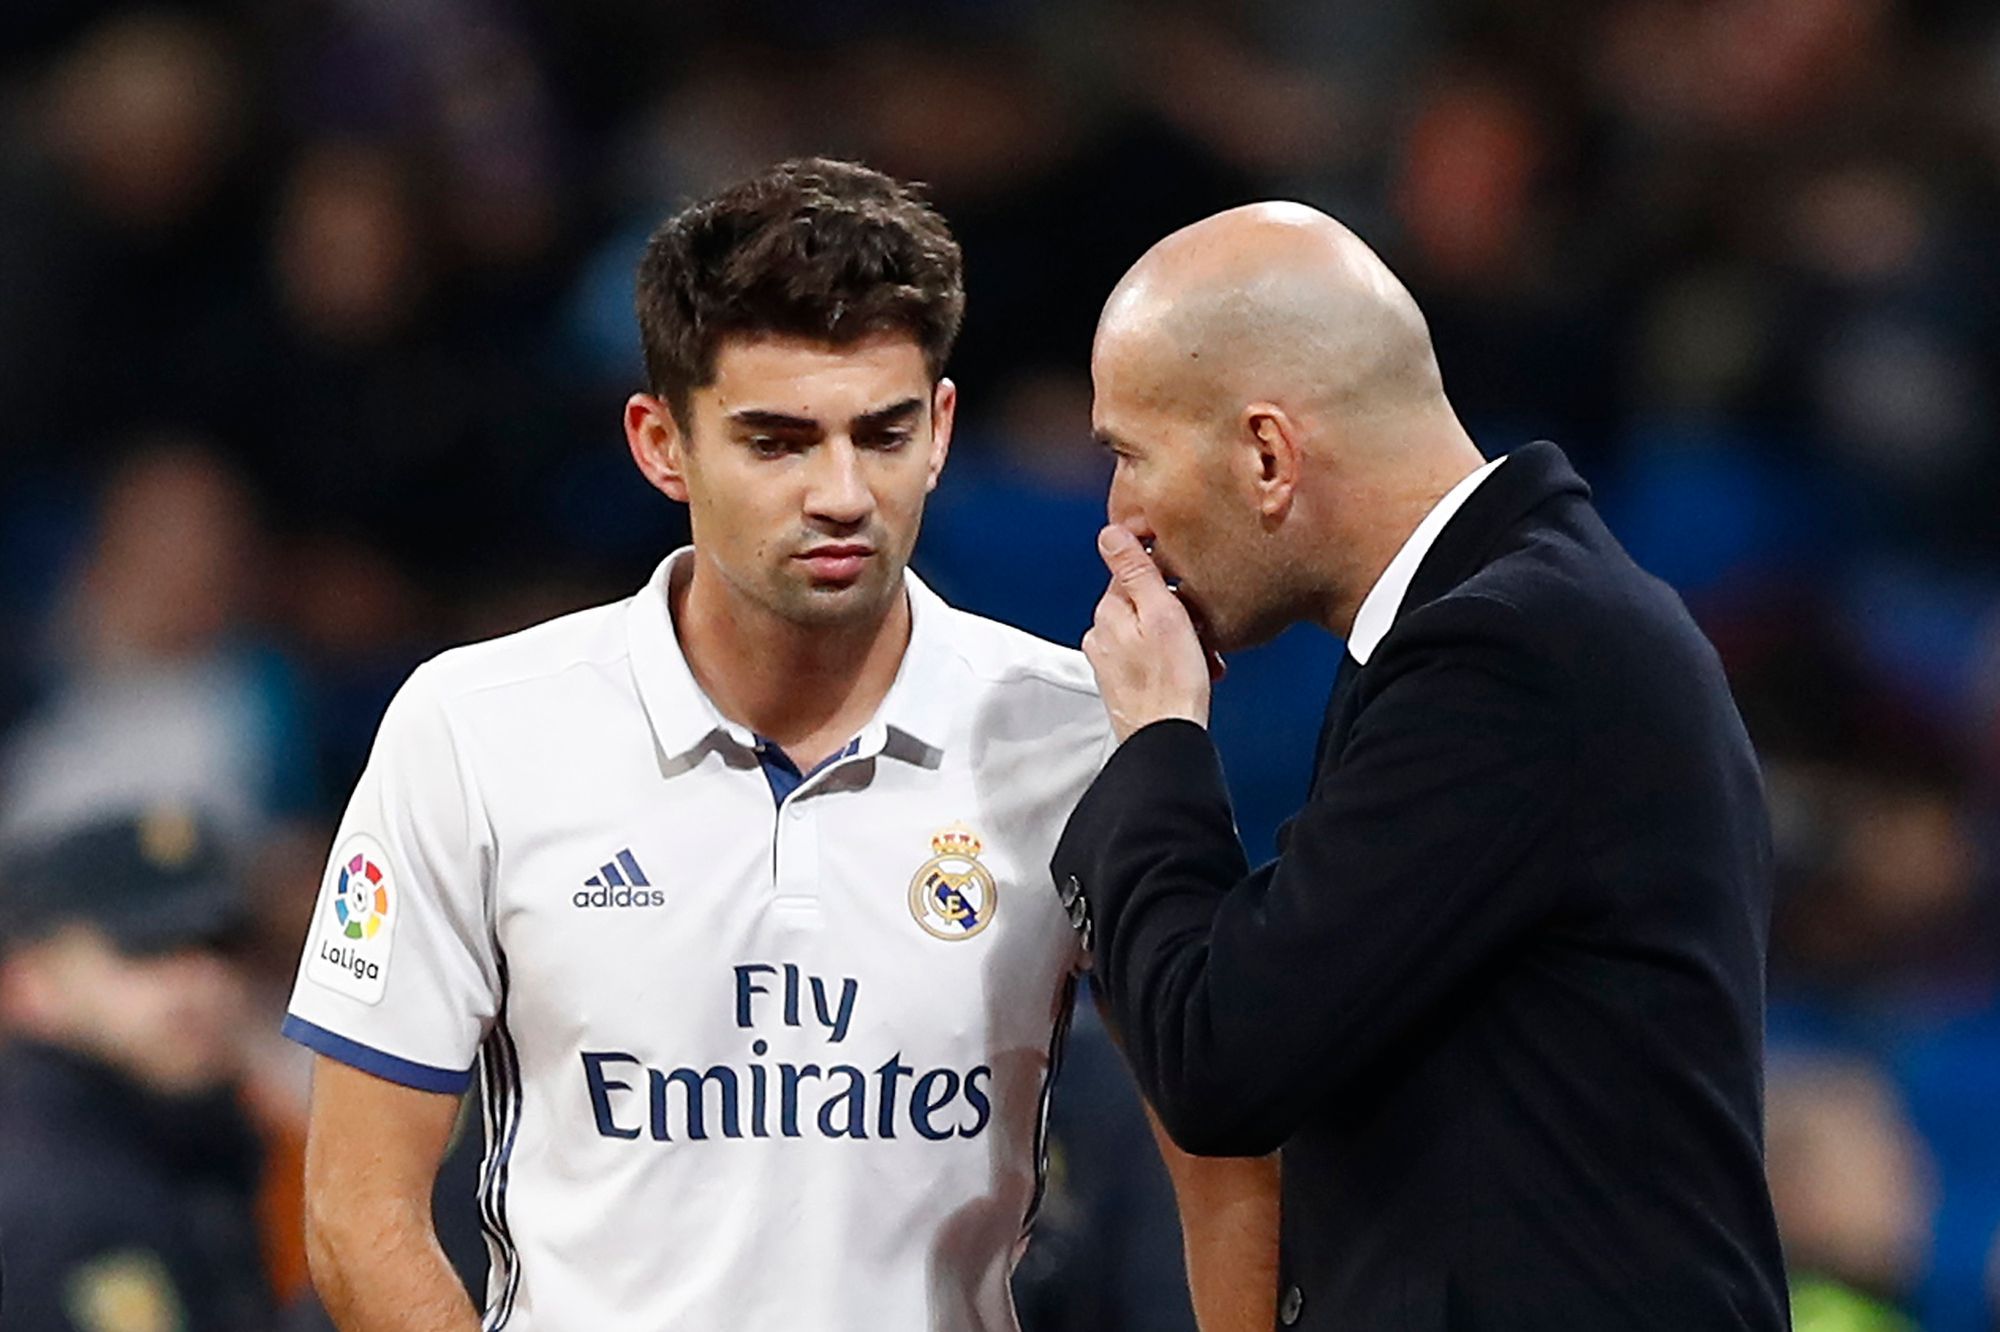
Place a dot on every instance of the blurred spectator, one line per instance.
(127, 1172)
(118, 228)
(157, 691)
(1736, 69)
(1882, 910)
(1851, 1186)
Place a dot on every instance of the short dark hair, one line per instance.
(809, 248)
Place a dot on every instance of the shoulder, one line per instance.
(993, 652)
(594, 637)
(1564, 601)
(471, 697)
(997, 658)
(1498, 639)
(1492, 615)
(1028, 708)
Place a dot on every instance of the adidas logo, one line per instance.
(619, 883)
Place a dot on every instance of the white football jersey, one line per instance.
(755, 1049)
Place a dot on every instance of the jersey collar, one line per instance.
(916, 708)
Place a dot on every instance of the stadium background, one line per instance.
(315, 323)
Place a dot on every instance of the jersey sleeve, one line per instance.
(1103, 744)
(399, 976)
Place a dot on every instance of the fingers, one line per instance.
(1145, 654)
(1115, 616)
(1132, 569)
(1113, 633)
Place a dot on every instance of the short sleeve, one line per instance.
(399, 977)
(1069, 892)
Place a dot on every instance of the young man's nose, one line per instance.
(840, 491)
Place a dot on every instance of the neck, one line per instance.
(808, 687)
(1380, 513)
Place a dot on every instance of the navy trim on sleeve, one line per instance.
(408, 1072)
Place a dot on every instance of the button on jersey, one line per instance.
(748, 1055)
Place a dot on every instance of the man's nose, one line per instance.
(1120, 508)
(840, 492)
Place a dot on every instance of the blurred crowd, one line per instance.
(315, 325)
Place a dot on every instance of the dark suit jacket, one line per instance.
(1500, 998)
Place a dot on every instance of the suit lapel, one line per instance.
(1532, 475)
(1333, 726)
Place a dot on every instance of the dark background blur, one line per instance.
(315, 326)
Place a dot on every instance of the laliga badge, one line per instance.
(953, 896)
(357, 922)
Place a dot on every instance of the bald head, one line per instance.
(1270, 394)
(1274, 302)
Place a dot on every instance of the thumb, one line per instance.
(1132, 569)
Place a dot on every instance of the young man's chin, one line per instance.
(844, 603)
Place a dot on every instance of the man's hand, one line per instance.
(1149, 661)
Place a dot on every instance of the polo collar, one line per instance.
(684, 718)
(921, 700)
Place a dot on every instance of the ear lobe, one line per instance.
(658, 450)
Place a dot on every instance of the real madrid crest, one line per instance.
(953, 895)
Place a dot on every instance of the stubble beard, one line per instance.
(797, 600)
(1268, 601)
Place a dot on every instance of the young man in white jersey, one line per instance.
(732, 896)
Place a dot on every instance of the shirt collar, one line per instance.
(1379, 607)
(921, 700)
(683, 717)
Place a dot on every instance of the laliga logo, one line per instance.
(953, 896)
(356, 922)
(362, 903)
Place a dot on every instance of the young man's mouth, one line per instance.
(837, 562)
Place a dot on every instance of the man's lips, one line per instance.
(840, 562)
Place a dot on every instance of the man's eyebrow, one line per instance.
(894, 414)
(764, 419)
(767, 420)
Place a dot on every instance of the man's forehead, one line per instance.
(1130, 382)
(812, 379)
(748, 353)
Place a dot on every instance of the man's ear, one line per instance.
(1271, 455)
(659, 447)
(944, 411)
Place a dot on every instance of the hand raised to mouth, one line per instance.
(1149, 658)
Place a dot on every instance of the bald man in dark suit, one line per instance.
(1500, 999)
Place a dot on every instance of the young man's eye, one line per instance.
(771, 446)
(888, 441)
